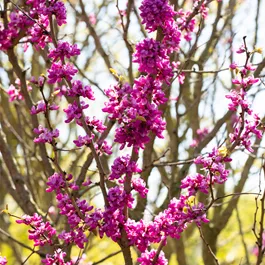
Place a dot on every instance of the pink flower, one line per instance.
(155, 13)
(172, 36)
(195, 183)
(118, 198)
(76, 236)
(45, 136)
(92, 19)
(55, 182)
(135, 114)
(73, 111)
(139, 185)
(6, 37)
(241, 49)
(78, 89)
(39, 82)
(84, 140)
(103, 148)
(41, 107)
(63, 50)
(152, 58)
(41, 232)
(58, 71)
(38, 35)
(95, 124)
(56, 258)
(122, 166)
(3, 260)
(57, 8)
(14, 93)
(147, 257)
(233, 66)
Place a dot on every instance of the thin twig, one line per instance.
(208, 246)
(107, 257)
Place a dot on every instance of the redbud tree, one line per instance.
(135, 123)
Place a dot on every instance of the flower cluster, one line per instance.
(248, 121)
(93, 124)
(60, 184)
(122, 166)
(172, 36)
(196, 183)
(45, 135)
(10, 34)
(33, 26)
(14, 91)
(84, 140)
(14, 94)
(39, 36)
(63, 50)
(153, 59)
(201, 7)
(41, 232)
(74, 111)
(3, 260)
(171, 222)
(243, 137)
(133, 111)
(118, 198)
(139, 185)
(147, 258)
(200, 135)
(103, 148)
(78, 90)
(155, 13)
(151, 55)
(59, 71)
(110, 220)
(40, 82)
(57, 258)
(57, 8)
(74, 236)
(215, 172)
(41, 106)
(213, 165)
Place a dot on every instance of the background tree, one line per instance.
(116, 54)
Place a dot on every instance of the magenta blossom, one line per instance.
(41, 232)
(152, 58)
(78, 89)
(147, 258)
(59, 71)
(122, 166)
(63, 50)
(57, 258)
(139, 185)
(74, 111)
(84, 140)
(42, 107)
(155, 13)
(3, 260)
(45, 135)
